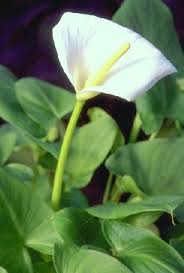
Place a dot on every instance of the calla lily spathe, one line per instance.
(86, 43)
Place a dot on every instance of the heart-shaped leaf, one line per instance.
(43, 102)
(140, 250)
(11, 111)
(72, 259)
(78, 227)
(21, 215)
(90, 146)
(144, 162)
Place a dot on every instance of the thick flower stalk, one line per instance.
(99, 56)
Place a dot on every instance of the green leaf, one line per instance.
(76, 226)
(42, 187)
(26, 151)
(123, 210)
(20, 171)
(72, 259)
(125, 184)
(47, 161)
(43, 102)
(144, 161)
(7, 143)
(20, 138)
(52, 148)
(179, 213)
(11, 111)
(74, 198)
(119, 141)
(2, 270)
(6, 77)
(159, 103)
(43, 237)
(175, 110)
(140, 250)
(44, 268)
(89, 148)
(21, 213)
(177, 232)
(178, 244)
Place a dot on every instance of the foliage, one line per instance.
(145, 182)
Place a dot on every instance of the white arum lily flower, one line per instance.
(100, 56)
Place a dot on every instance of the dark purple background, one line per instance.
(26, 47)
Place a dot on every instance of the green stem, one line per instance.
(107, 188)
(177, 125)
(116, 196)
(58, 179)
(135, 129)
(153, 135)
